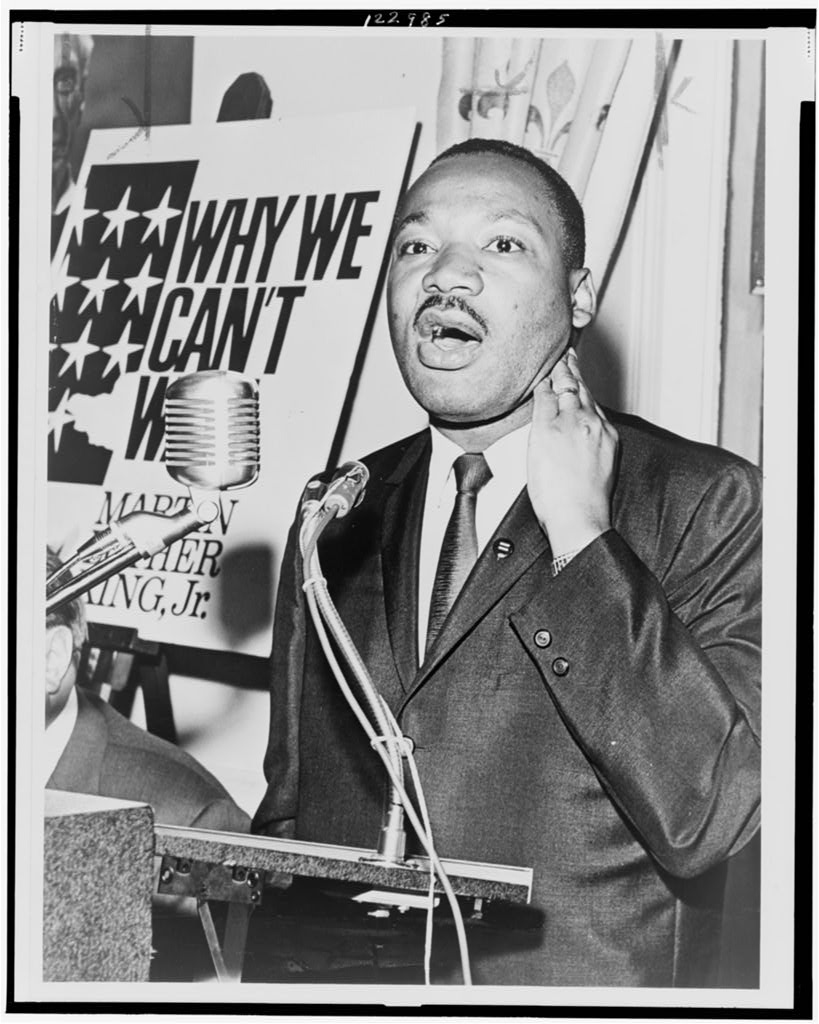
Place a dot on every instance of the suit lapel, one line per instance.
(400, 542)
(80, 766)
(490, 579)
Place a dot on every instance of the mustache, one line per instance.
(445, 302)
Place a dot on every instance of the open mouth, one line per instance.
(453, 335)
(449, 340)
(448, 325)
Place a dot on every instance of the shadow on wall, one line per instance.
(602, 367)
(246, 585)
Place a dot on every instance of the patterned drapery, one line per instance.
(560, 98)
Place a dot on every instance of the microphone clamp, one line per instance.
(206, 505)
(311, 498)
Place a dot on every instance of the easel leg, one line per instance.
(213, 940)
(236, 927)
(229, 959)
(156, 692)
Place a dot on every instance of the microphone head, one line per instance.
(212, 430)
(346, 489)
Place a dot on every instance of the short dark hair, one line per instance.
(567, 207)
(70, 614)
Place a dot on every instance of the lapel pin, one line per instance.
(503, 548)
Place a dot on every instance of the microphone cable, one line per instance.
(312, 574)
(422, 803)
(322, 609)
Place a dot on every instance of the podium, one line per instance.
(99, 883)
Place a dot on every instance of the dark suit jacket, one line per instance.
(106, 755)
(625, 782)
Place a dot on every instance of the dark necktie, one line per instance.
(459, 550)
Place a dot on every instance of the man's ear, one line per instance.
(59, 654)
(584, 297)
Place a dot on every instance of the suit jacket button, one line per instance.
(543, 638)
(560, 666)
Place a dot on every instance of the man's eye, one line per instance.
(414, 248)
(505, 243)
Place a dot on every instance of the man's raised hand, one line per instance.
(571, 459)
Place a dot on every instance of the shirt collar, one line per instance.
(444, 453)
(506, 458)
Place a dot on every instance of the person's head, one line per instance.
(65, 635)
(71, 57)
(486, 284)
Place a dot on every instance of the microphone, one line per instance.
(212, 444)
(343, 493)
(212, 430)
(346, 489)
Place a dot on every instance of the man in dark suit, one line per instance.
(90, 748)
(589, 704)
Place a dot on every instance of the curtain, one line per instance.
(561, 98)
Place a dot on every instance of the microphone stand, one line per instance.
(123, 542)
(392, 838)
(318, 509)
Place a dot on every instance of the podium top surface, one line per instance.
(341, 863)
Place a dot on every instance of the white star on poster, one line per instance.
(62, 281)
(58, 419)
(140, 284)
(78, 214)
(117, 219)
(98, 286)
(66, 199)
(118, 354)
(158, 217)
(77, 352)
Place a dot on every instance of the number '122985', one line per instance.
(421, 20)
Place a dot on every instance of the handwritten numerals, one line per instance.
(413, 18)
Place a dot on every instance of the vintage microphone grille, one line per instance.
(212, 430)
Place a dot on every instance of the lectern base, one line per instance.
(97, 887)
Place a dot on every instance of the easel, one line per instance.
(115, 661)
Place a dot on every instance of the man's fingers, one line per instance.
(586, 397)
(545, 402)
(570, 387)
(573, 365)
(565, 385)
(562, 376)
(570, 390)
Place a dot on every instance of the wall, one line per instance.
(743, 322)
(655, 347)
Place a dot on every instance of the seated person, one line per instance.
(91, 748)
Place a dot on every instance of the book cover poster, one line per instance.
(238, 246)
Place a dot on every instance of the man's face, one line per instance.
(70, 60)
(480, 304)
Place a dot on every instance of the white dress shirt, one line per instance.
(506, 459)
(57, 735)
